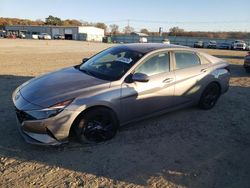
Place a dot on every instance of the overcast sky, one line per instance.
(192, 15)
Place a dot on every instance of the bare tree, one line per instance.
(128, 29)
(114, 29)
(144, 30)
(175, 30)
(39, 22)
(102, 26)
(83, 23)
(69, 22)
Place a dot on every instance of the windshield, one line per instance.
(111, 64)
(239, 41)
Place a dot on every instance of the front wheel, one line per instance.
(210, 96)
(96, 125)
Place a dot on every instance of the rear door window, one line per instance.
(185, 59)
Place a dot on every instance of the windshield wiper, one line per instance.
(86, 72)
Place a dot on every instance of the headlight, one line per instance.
(49, 112)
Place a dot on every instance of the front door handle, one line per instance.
(168, 80)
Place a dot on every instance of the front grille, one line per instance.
(23, 116)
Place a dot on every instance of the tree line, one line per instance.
(114, 29)
(176, 31)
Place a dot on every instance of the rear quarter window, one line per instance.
(186, 59)
(203, 59)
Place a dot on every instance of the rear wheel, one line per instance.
(210, 96)
(96, 125)
(247, 70)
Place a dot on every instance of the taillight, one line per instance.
(228, 69)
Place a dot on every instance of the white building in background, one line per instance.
(85, 33)
(92, 33)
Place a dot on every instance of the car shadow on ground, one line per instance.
(188, 147)
(238, 71)
(229, 57)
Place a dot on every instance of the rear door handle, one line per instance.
(204, 70)
(168, 80)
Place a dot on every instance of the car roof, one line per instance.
(149, 47)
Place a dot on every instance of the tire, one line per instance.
(247, 70)
(209, 96)
(95, 126)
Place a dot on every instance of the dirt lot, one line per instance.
(186, 148)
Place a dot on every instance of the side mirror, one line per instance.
(84, 60)
(140, 77)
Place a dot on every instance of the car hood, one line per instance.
(59, 86)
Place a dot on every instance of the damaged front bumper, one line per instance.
(34, 137)
(49, 131)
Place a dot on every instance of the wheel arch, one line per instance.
(201, 103)
(86, 110)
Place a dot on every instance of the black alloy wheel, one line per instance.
(96, 125)
(210, 96)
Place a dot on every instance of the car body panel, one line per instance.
(64, 84)
(188, 87)
(37, 138)
(154, 95)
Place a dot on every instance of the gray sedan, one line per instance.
(115, 87)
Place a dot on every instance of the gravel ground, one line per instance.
(185, 148)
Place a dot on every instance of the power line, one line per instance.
(115, 21)
(191, 22)
(179, 22)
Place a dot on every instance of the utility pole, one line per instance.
(160, 31)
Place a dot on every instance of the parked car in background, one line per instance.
(247, 62)
(21, 36)
(44, 36)
(143, 40)
(225, 46)
(2, 34)
(166, 41)
(248, 47)
(212, 44)
(199, 44)
(59, 37)
(239, 45)
(34, 36)
(119, 85)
